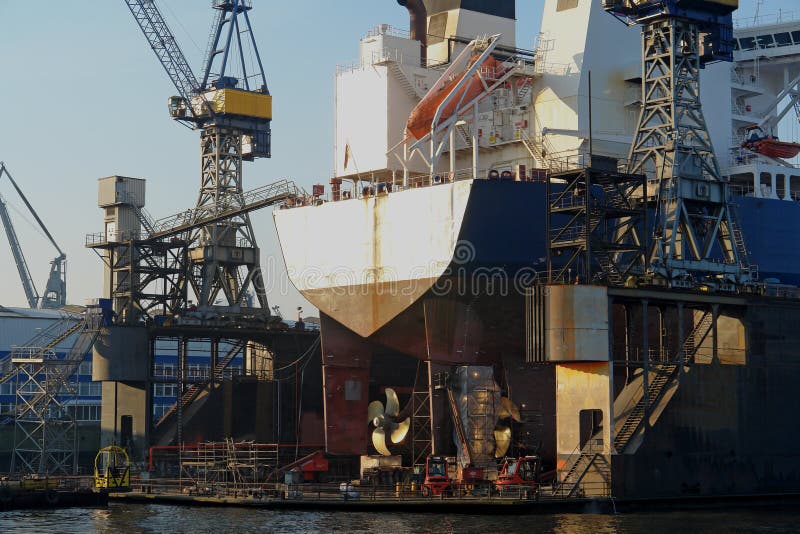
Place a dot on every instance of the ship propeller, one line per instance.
(502, 439)
(385, 421)
(502, 432)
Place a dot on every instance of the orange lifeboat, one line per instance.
(759, 142)
(421, 119)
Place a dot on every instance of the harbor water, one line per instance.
(157, 518)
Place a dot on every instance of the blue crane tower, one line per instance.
(695, 237)
(231, 106)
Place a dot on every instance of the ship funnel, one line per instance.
(418, 21)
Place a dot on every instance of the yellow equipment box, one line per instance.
(236, 102)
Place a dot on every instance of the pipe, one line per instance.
(418, 22)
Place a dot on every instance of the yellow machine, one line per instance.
(112, 469)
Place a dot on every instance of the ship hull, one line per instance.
(453, 292)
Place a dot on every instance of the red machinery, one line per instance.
(437, 481)
(519, 474)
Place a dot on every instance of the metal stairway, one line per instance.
(536, 150)
(610, 269)
(664, 376)
(738, 242)
(465, 135)
(584, 459)
(525, 89)
(194, 390)
(144, 218)
(43, 343)
(404, 82)
(67, 367)
(193, 399)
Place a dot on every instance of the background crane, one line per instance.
(55, 293)
(695, 231)
(231, 106)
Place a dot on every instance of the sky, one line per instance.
(82, 96)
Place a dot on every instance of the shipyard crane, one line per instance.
(231, 106)
(695, 233)
(55, 293)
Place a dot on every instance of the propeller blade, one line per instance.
(392, 403)
(503, 412)
(502, 437)
(399, 433)
(509, 409)
(374, 409)
(379, 441)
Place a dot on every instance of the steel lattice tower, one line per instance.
(226, 257)
(694, 227)
(672, 144)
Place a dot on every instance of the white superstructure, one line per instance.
(765, 75)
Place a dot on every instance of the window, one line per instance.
(197, 371)
(796, 37)
(159, 410)
(90, 389)
(164, 390)
(783, 39)
(564, 5)
(766, 41)
(85, 368)
(86, 412)
(164, 369)
(748, 43)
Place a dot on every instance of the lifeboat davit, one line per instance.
(759, 142)
(420, 121)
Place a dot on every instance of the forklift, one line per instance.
(437, 482)
(520, 475)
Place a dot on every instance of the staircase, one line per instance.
(738, 242)
(145, 219)
(656, 387)
(408, 87)
(524, 89)
(534, 149)
(664, 376)
(194, 390)
(465, 135)
(610, 269)
(61, 372)
(581, 461)
(42, 344)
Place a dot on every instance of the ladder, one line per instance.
(459, 426)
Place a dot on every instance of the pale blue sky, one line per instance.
(84, 97)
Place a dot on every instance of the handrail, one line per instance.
(230, 206)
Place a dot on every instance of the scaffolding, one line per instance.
(595, 217)
(45, 441)
(228, 467)
(45, 438)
